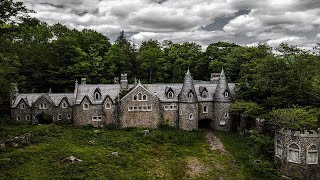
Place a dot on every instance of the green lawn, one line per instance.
(162, 154)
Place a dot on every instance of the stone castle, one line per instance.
(187, 106)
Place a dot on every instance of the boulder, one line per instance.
(71, 159)
(115, 154)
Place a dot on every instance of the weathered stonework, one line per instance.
(297, 166)
(180, 105)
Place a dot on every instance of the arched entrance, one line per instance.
(44, 118)
(205, 124)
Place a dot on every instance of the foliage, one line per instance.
(248, 109)
(294, 118)
(162, 154)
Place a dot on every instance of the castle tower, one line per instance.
(188, 105)
(222, 101)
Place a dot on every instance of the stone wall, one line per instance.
(22, 112)
(210, 111)
(170, 114)
(300, 169)
(222, 120)
(185, 122)
(85, 116)
(140, 115)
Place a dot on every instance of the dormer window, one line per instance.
(139, 96)
(43, 106)
(204, 94)
(22, 106)
(135, 97)
(226, 94)
(170, 95)
(108, 106)
(64, 105)
(85, 106)
(190, 95)
(97, 96)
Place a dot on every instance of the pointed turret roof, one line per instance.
(187, 88)
(222, 88)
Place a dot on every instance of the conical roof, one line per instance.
(187, 88)
(222, 92)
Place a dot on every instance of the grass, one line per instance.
(162, 154)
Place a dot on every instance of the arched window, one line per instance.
(226, 94)
(144, 97)
(22, 106)
(190, 95)
(205, 109)
(312, 155)
(135, 97)
(64, 105)
(28, 117)
(278, 149)
(180, 112)
(294, 153)
(170, 95)
(223, 122)
(139, 96)
(108, 105)
(204, 94)
(226, 115)
(18, 118)
(191, 116)
(97, 95)
(69, 116)
(85, 106)
(59, 116)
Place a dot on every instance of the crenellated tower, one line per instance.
(188, 105)
(222, 101)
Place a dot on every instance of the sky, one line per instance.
(244, 22)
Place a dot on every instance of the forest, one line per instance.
(280, 84)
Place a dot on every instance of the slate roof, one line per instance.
(111, 90)
(56, 98)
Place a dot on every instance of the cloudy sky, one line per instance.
(245, 22)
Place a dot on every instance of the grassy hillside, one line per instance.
(162, 154)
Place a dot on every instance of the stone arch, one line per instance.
(205, 124)
(43, 118)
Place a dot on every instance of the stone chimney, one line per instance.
(116, 80)
(83, 80)
(124, 81)
(214, 78)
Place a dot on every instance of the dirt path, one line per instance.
(215, 142)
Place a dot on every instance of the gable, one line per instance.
(139, 89)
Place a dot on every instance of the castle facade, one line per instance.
(187, 106)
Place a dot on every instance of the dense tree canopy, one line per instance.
(39, 56)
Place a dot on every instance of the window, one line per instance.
(204, 94)
(180, 112)
(130, 108)
(69, 116)
(43, 106)
(96, 118)
(22, 106)
(135, 97)
(97, 96)
(278, 150)
(226, 115)
(85, 106)
(144, 97)
(190, 95)
(59, 117)
(139, 97)
(28, 118)
(294, 153)
(226, 94)
(312, 155)
(191, 116)
(166, 107)
(170, 95)
(205, 109)
(64, 105)
(108, 106)
(18, 118)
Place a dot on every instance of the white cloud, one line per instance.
(269, 21)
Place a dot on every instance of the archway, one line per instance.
(205, 124)
(44, 118)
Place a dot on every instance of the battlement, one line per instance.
(305, 133)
